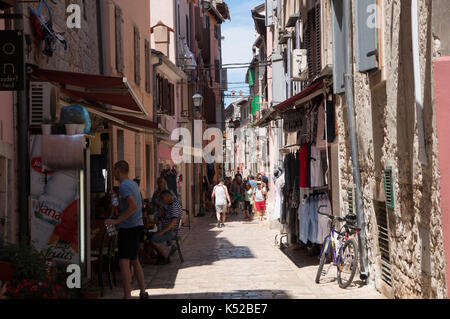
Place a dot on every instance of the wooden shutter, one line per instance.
(217, 71)
(367, 35)
(318, 29)
(147, 66)
(137, 56)
(119, 40)
(198, 24)
(313, 41)
(338, 47)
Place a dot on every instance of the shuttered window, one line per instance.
(312, 41)
(147, 66)
(217, 71)
(338, 47)
(119, 40)
(137, 56)
(367, 35)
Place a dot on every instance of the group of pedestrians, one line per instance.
(238, 195)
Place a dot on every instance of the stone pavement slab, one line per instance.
(240, 261)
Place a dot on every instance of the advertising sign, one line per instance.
(11, 61)
(54, 208)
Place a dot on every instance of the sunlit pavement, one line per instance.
(240, 261)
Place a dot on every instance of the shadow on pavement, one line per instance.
(238, 294)
(205, 248)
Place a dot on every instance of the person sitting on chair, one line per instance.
(168, 228)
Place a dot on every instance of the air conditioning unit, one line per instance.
(42, 102)
(300, 65)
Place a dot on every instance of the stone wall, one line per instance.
(387, 136)
(82, 54)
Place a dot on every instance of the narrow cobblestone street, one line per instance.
(240, 261)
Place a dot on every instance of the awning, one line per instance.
(304, 96)
(129, 122)
(94, 88)
(271, 115)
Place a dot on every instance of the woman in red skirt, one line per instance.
(259, 200)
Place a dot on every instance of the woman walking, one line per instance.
(248, 204)
(259, 199)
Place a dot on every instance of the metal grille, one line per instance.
(383, 243)
(388, 188)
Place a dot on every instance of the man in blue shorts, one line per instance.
(130, 229)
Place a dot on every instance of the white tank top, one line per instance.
(220, 195)
(259, 197)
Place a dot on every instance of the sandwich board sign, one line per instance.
(11, 61)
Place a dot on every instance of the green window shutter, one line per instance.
(367, 35)
(251, 77)
(351, 201)
(255, 104)
(389, 188)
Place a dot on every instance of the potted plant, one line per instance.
(90, 290)
(47, 127)
(6, 266)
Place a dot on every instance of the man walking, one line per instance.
(130, 229)
(222, 202)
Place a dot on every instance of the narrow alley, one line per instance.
(240, 261)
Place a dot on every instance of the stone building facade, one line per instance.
(82, 54)
(387, 130)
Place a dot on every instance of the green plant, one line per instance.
(28, 262)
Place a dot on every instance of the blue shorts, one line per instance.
(163, 238)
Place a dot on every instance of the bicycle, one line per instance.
(343, 248)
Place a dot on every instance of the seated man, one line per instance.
(168, 227)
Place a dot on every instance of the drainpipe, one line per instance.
(353, 140)
(418, 81)
(22, 145)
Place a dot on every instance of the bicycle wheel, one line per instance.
(323, 258)
(347, 263)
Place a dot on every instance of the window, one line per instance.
(189, 30)
(165, 96)
(137, 158)
(148, 161)
(217, 31)
(188, 34)
(217, 71)
(119, 40)
(147, 66)
(313, 43)
(137, 56)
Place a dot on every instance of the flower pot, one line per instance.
(80, 128)
(6, 271)
(71, 129)
(46, 129)
(91, 294)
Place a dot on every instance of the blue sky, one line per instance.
(239, 36)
